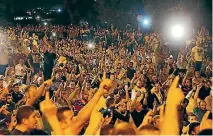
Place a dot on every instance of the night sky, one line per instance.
(36, 3)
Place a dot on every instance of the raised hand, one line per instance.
(49, 81)
(106, 84)
(199, 86)
(47, 107)
(206, 123)
(147, 119)
(175, 95)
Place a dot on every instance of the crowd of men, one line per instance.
(74, 80)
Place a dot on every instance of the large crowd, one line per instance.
(83, 80)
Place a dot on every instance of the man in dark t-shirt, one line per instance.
(28, 114)
(138, 114)
(49, 58)
(130, 71)
(205, 90)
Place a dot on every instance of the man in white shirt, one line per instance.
(20, 69)
(198, 56)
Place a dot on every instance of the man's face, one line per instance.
(197, 74)
(122, 107)
(184, 104)
(188, 83)
(31, 92)
(157, 122)
(40, 80)
(34, 48)
(72, 85)
(207, 85)
(68, 117)
(192, 69)
(139, 84)
(9, 99)
(112, 77)
(139, 107)
(170, 61)
(203, 105)
(88, 86)
(1, 83)
(130, 64)
(193, 119)
(154, 78)
(85, 96)
(16, 89)
(31, 121)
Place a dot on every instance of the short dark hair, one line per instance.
(16, 84)
(110, 101)
(185, 100)
(205, 132)
(9, 94)
(60, 112)
(192, 126)
(105, 129)
(24, 112)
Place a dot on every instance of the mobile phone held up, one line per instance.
(105, 112)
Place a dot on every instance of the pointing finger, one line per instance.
(175, 82)
(104, 75)
(47, 96)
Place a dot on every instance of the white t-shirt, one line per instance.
(198, 53)
(20, 70)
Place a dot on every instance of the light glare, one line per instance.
(90, 45)
(146, 22)
(177, 31)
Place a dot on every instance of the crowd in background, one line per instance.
(105, 81)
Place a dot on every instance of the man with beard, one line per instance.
(10, 104)
(26, 120)
(17, 96)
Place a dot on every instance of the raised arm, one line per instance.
(196, 95)
(49, 110)
(174, 98)
(39, 92)
(84, 114)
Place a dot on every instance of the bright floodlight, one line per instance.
(90, 45)
(45, 23)
(177, 31)
(146, 22)
(54, 34)
(59, 10)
